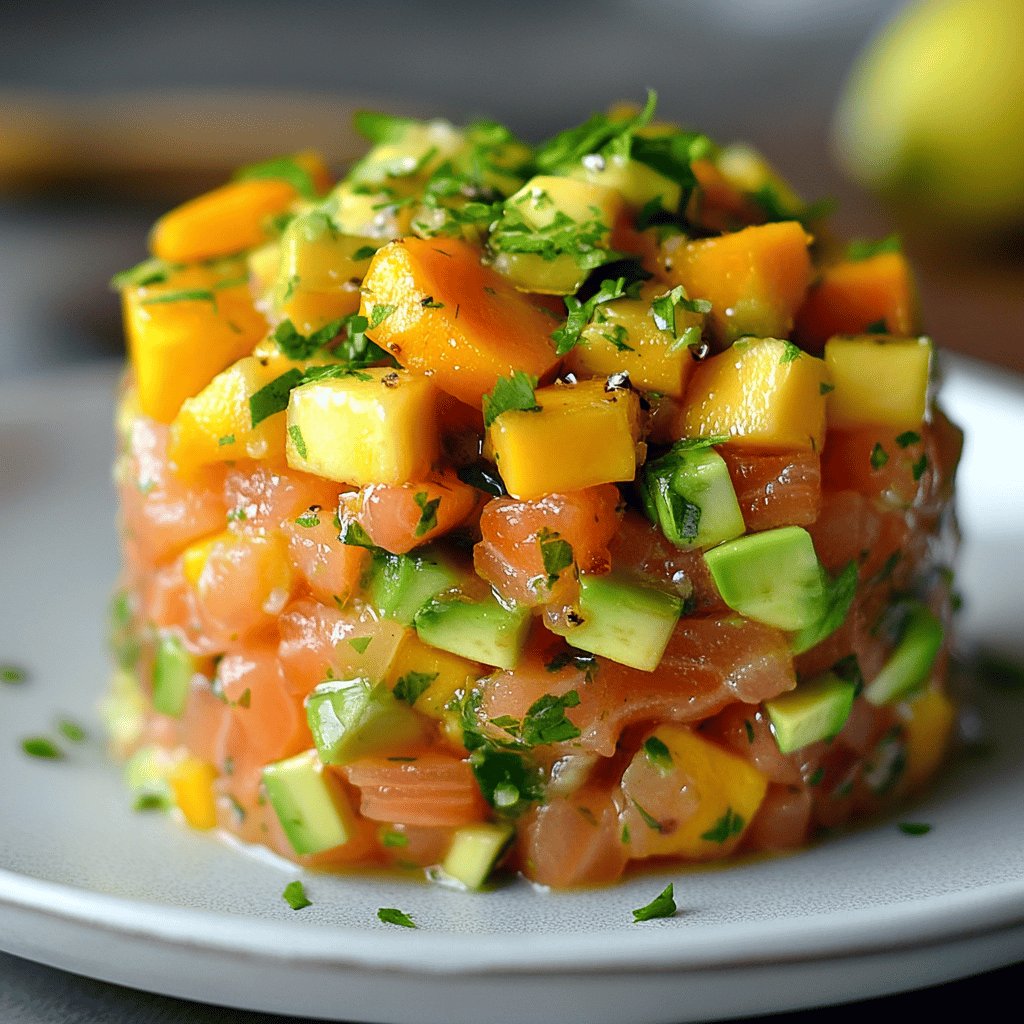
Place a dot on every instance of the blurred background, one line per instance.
(110, 112)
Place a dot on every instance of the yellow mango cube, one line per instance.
(928, 726)
(228, 220)
(184, 330)
(624, 336)
(451, 674)
(381, 214)
(582, 435)
(191, 781)
(538, 205)
(760, 393)
(197, 554)
(878, 380)
(371, 426)
(216, 425)
(320, 271)
(689, 797)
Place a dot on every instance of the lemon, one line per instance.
(933, 112)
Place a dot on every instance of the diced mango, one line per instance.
(451, 675)
(183, 331)
(929, 719)
(216, 425)
(195, 556)
(374, 426)
(878, 380)
(320, 272)
(413, 148)
(583, 435)
(379, 213)
(228, 220)
(762, 393)
(542, 203)
(439, 310)
(191, 781)
(637, 183)
(755, 279)
(624, 335)
(692, 799)
(852, 296)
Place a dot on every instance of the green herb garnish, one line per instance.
(40, 746)
(413, 685)
(515, 393)
(392, 915)
(428, 513)
(295, 895)
(658, 754)
(12, 674)
(863, 249)
(663, 905)
(730, 824)
(914, 828)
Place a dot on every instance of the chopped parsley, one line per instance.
(914, 828)
(580, 314)
(579, 660)
(515, 393)
(596, 134)
(413, 685)
(864, 249)
(918, 468)
(665, 312)
(281, 168)
(394, 839)
(428, 513)
(299, 346)
(649, 819)
(272, 398)
(392, 915)
(295, 896)
(364, 252)
(71, 730)
(359, 643)
(295, 433)
(12, 674)
(353, 534)
(907, 438)
(380, 312)
(311, 517)
(663, 905)
(148, 272)
(557, 554)
(879, 456)
(839, 594)
(40, 746)
(791, 353)
(658, 754)
(826, 389)
(728, 825)
(381, 128)
(185, 295)
(225, 439)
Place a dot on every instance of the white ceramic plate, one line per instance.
(87, 885)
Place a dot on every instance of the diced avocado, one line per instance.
(773, 577)
(474, 851)
(310, 803)
(911, 662)
(689, 494)
(402, 584)
(353, 718)
(816, 710)
(483, 631)
(623, 621)
(172, 676)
